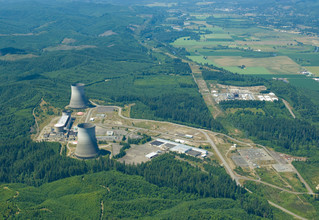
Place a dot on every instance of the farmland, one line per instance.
(231, 40)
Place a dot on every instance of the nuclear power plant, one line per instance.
(87, 144)
(78, 99)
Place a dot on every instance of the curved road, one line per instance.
(227, 167)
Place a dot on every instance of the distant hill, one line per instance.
(11, 50)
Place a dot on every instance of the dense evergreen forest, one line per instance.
(37, 164)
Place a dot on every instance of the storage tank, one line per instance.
(87, 144)
(78, 99)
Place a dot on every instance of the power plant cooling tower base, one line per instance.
(87, 147)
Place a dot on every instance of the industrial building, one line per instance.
(87, 144)
(78, 99)
(179, 148)
(153, 154)
(63, 122)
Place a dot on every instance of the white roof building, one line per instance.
(62, 121)
(151, 155)
(181, 149)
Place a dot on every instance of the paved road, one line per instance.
(271, 185)
(310, 191)
(227, 167)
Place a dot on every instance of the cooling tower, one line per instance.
(78, 99)
(87, 143)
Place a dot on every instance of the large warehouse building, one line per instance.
(179, 148)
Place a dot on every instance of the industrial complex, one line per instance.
(81, 131)
(167, 145)
(228, 93)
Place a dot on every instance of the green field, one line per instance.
(297, 80)
(187, 43)
(305, 59)
(310, 172)
(298, 204)
(216, 36)
(201, 60)
(269, 175)
(248, 70)
(234, 36)
(313, 69)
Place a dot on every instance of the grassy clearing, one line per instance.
(275, 65)
(294, 181)
(313, 69)
(200, 16)
(216, 36)
(249, 70)
(310, 172)
(305, 59)
(232, 52)
(186, 42)
(269, 175)
(295, 203)
(254, 110)
(200, 59)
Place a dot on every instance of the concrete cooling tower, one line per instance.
(87, 144)
(78, 99)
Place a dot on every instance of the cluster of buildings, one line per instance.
(85, 132)
(243, 95)
(176, 147)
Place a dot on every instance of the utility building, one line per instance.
(87, 147)
(63, 121)
(78, 99)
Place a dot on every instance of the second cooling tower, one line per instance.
(78, 99)
(87, 144)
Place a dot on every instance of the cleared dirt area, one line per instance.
(68, 47)
(14, 57)
(107, 33)
(68, 41)
(136, 154)
(251, 88)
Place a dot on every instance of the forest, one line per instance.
(39, 164)
(45, 47)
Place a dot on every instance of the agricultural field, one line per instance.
(313, 69)
(230, 40)
(297, 80)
